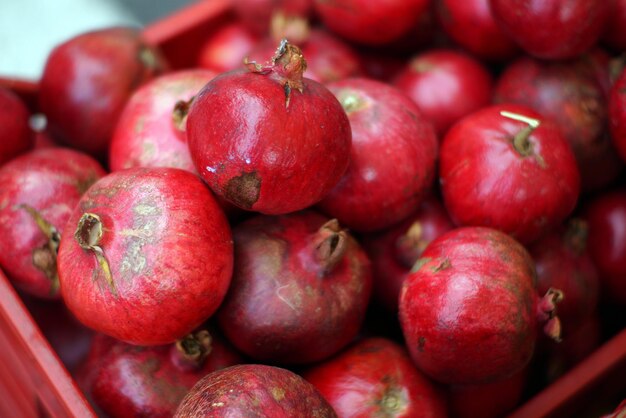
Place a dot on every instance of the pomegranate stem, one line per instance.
(521, 141)
(88, 235)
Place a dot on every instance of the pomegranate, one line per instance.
(146, 256)
(614, 34)
(507, 167)
(617, 114)
(570, 94)
(487, 400)
(38, 192)
(371, 23)
(88, 79)
(469, 309)
(267, 139)
(300, 288)
(606, 216)
(446, 85)
(562, 262)
(552, 29)
(376, 378)
(254, 390)
(130, 381)
(257, 15)
(471, 25)
(150, 131)
(392, 161)
(226, 48)
(16, 137)
(394, 251)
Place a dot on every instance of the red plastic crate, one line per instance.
(34, 382)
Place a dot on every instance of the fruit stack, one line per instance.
(407, 208)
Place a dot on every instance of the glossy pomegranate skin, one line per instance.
(289, 302)
(614, 35)
(375, 377)
(570, 94)
(486, 181)
(263, 149)
(146, 134)
(467, 309)
(45, 183)
(617, 115)
(446, 85)
(16, 137)
(563, 262)
(606, 216)
(149, 217)
(254, 390)
(394, 251)
(88, 79)
(371, 23)
(392, 162)
(256, 15)
(489, 400)
(471, 25)
(131, 381)
(552, 29)
(227, 47)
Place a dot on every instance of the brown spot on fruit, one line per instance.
(244, 190)
(278, 394)
(421, 342)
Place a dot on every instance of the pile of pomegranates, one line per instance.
(451, 169)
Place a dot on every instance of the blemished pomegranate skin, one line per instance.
(469, 310)
(268, 140)
(150, 131)
(254, 390)
(15, 137)
(146, 256)
(88, 79)
(376, 378)
(508, 168)
(393, 157)
(38, 192)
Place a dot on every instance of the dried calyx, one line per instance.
(190, 352)
(330, 243)
(546, 313)
(88, 234)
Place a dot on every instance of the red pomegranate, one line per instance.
(300, 288)
(552, 29)
(88, 79)
(469, 309)
(614, 34)
(254, 390)
(38, 192)
(508, 168)
(571, 95)
(606, 216)
(471, 25)
(394, 251)
(267, 139)
(125, 380)
(376, 378)
(227, 47)
(146, 255)
(617, 115)
(563, 262)
(257, 15)
(15, 137)
(392, 162)
(150, 131)
(446, 85)
(371, 23)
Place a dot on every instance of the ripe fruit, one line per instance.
(394, 251)
(508, 168)
(446, 85)
(257, 15)
(267, 139)
(151, 129)
(146, 255)
(254, 390)
(15, 137)
(392, 162)
(38, 192)
(87, 80)
(371, 23)
(571, 95)
(376, 378)
(300, 288)
(552, 29)
(469, 309)
(125, 380)
(227, 47)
